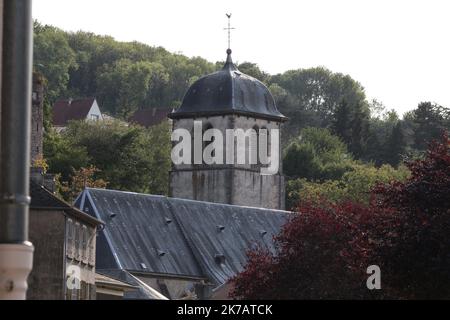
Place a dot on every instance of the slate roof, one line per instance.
(140, 235)
(66, 110)
(149, 117)
(42, 198)
(228, 91)
(177, 237)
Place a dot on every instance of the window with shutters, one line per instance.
(68, 291)
(84, 244)
(87, 294)
(74, 294)
(91, 246)
(77, 241)
(83, 291)
(70, 239)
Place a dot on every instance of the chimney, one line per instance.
(49, 182)
(45, 180)
(37, 175)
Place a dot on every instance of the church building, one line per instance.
(228, 99)
(188, 245)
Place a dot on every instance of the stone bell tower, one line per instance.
(229, 99)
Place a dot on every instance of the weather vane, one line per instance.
(229, 29)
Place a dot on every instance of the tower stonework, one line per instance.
(228, 99)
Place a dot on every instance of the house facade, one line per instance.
(86, 109)
(65, 242)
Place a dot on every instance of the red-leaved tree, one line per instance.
(318, 257)
(414, 252)
(324, 250)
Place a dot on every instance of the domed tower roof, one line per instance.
(228, 91)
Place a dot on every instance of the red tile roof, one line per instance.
(66, 110)
(150, 116)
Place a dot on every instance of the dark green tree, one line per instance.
(300, 160)
(429, 120)
(316, 155)
(127, 86)
(381, 124)
(341, 123)
(374, 149)
(130, 158)
(63, 155)
(321, 91)
(359, 131)
(53, 58)
(252, 69)
(395, 146)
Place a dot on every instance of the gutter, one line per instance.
(226, 112)
(16, 252)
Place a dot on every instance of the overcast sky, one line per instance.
(398, 50)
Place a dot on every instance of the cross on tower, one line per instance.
(229, 29)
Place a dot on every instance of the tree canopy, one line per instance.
(333, 131)
(123, 76)
(129, 158)
(356, 203)
(323, 252)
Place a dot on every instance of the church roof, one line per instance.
(176, 237)
(228, 91)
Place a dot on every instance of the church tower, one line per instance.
(224, 100)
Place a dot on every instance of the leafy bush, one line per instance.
(129, 158)
(324, 250)
(316, 155)
(319, 166)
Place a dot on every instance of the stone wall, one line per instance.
(61, 244)
(239, 184)
(204, 185)
(47, 232)
(229, 185)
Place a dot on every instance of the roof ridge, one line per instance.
(186, 200)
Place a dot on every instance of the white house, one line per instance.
(79, 109)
